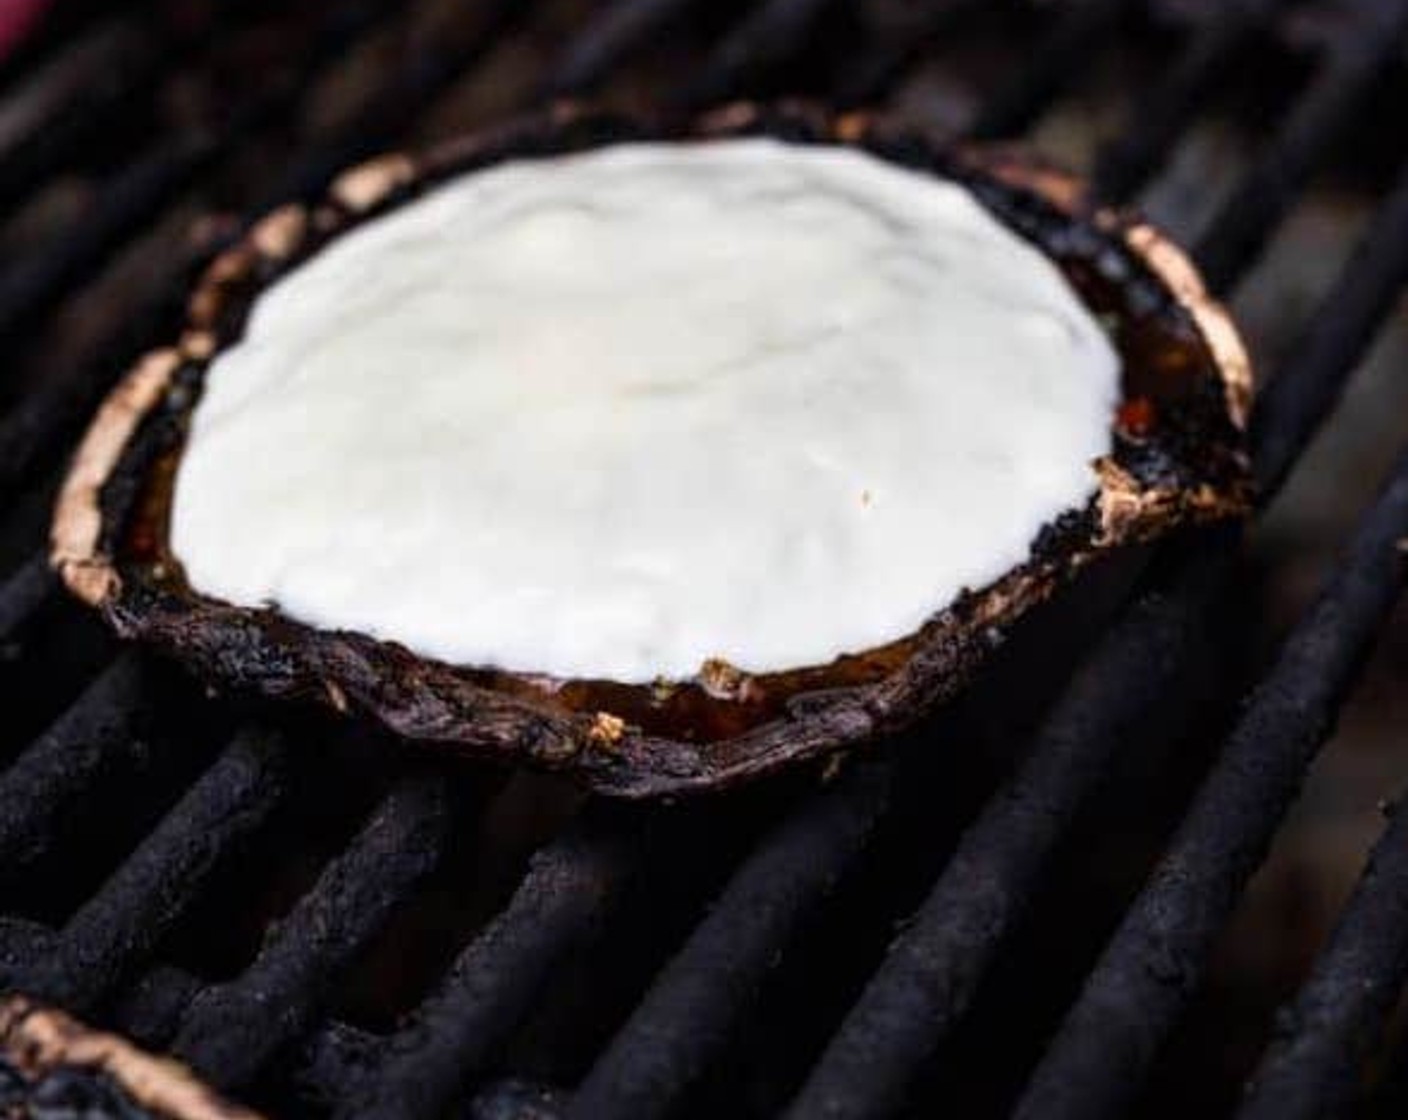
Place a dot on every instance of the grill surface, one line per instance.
(1009, 910)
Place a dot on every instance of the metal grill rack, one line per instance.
(134, 811)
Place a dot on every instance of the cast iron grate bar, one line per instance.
(1154, 960)
(338, 1056)
(232, 1029)
(569, 886)
(334, 1062)
(21, 944)
(1292, 406)
(68, 103)
(764, 41)
(98, 734)
(122, 923)
(1053, 64)
(33, 285)
(925, 985)
(866, 80)
(1125, 165)
(613, 36)
(919, 994)
(397, 104)
(687, 1015)
(1311, 1067)
(24, 592)
(149, 1010)
(1352, 65)
(329, 1063)
(138, 193)
(59, 404)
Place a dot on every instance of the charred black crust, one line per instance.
(1178, 458)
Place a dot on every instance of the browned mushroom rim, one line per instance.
(50, 1051)
(1178, 458)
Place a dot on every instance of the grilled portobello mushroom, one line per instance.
(1173, 455)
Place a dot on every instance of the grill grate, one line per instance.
(267, 1026)
(934, 968)
(1155, 957)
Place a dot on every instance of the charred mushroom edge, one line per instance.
(1178, 460)
(39, 1042)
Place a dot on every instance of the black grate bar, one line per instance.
(121, 924)
(150, 1009)
(918, 996)
(31, 286)
(1312, 1065)
(21, 942)
(516, 1099)
(1292, 405)
(35, 430)
(24, 592)
(58, 404)
(1243, 225)
(33, 103)
(232, 1029)
(569, 886)
(921, 991)
(1154, 960)
(621, 29)
(132, 198)
(1124, 165)
(65, 397)
(686, 1018)
(765, 40)
(97, 735)
(335, 1062)
(396, 105)
(338, 1056)
(44, 126)
(56, 407)
(328, 1063)
(1056, 61)
(894, 48)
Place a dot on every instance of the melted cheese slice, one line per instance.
(610, 415)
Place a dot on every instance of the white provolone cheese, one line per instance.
(613, 414)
